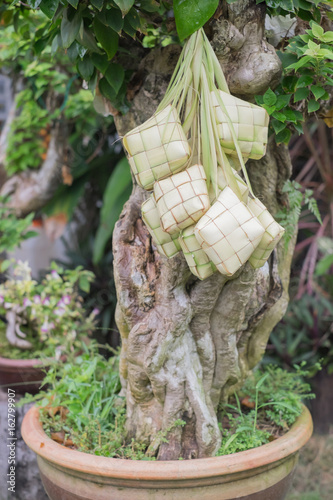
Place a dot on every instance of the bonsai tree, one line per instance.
(188, 344)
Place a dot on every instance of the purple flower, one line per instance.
(45, 327)
(59, 311)
(55, 275)
(66, 299)
(27, 302)
(46, 301)
(2, 299)
(37, 299)
(95, 311)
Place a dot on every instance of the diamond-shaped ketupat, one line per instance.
(197, 260)
(228, 232)
(271, 237)
(250, 123)
(157, 148)
(166, 244)
(182, 199)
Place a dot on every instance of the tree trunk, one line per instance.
(187, 344)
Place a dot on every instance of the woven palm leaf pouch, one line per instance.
(167, 245)
(196, 258)
(192, 154)
(229, 233)
(272, 235)
(250, 124)
(182, 199)
(157, 148)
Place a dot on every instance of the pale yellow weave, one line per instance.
(272, 235)
(166, 245)
(197, 260)
(157, 148)
(182, 199)
(250, 123)
(228, 232)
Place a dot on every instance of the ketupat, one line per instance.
(166, 245)
(228, 233)
(272, 235)
(250, 123)
(223, 132)
(196, 258)
(182, 199)
(157, 148)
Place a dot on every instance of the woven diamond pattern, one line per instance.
(197, 260)
(222, 183)
(157, 148)
(272, 235)
(228, 232)
(250, 124)
(182, 199)
(166, 245)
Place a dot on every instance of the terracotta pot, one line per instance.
(22, 375)
(263, 473)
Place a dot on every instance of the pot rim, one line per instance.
(35, 437)
(22, 363)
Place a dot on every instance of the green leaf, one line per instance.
(324, 265)
(282, 101)
(283, 136)
(277, 126)
(84, 284)
(116, 194)
(124, 5)
(73, 3)
(86, 68)
(327, 37)
(49, 7)
(100, 61)
(5, 265)
(317, 91)
(97, 3)
(317, 30)
(70, 29)
(86, 38)
(107, 37)
(115, 75)
(191, 15)
(107, 90)
(113, 19)
(313, 106)
(301, 94)
(270, 98)
(304, 81)
(302, 62)
(279, 116)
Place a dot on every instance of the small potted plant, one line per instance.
(40, 321)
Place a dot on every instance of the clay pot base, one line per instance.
(264, 473)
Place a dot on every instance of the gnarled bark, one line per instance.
(187, 344)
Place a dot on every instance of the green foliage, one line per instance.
(82, 399)
(50, 312)
(305, 333)
(289, 216)
(305, 9)
(116, 194)
(12, 230)
(276, 396)
(307, 73)
(192, 15)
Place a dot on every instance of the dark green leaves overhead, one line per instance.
(107, 37)
(49, 7)
(124, 5)
(191, 15)
(70, 28)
